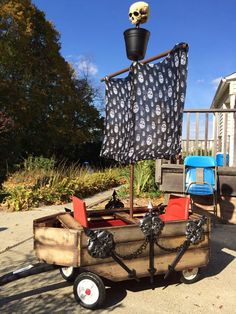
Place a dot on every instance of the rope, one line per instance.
(15, 245)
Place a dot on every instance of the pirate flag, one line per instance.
(144, 110)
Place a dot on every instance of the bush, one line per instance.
(38, 163)
(40, 183)
(144, 180)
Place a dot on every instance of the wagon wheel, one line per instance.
(69, 273)
(190, 275)
(89, 290)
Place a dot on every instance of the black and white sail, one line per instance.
(144, 110)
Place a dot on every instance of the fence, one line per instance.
(209, 132)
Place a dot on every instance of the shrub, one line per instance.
(40, 183)
(38, 163)
(144, 180)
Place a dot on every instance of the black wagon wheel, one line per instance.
(69, 273)
(190, 275)
(89, 290)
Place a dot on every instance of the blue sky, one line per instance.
(94, 30)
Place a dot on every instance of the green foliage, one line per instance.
(19, 198)
(144, 180)
(40, 183)
(37, 163)
(50, 110)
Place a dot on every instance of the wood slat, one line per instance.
(69, 222)
(158, 165)
(225, 136)
(187, 133)
(196, 133)
(64, 256)
(131, 233)
(130, 247)
(126, 217)
(54, 236)
(112, 271)
(206, 133)
(214, 151)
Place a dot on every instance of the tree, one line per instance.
(51, 109)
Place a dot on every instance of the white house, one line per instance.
(224, 98)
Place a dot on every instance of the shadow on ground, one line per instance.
(48, 293)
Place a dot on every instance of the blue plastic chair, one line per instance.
(200, 177)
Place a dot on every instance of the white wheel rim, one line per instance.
(190, 273)
(88, 291)
(67, 271)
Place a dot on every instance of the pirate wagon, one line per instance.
(143, 121)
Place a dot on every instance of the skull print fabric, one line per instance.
(144, 110)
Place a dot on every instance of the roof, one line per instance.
(222, 89)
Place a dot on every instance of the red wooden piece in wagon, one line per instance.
(177, 208)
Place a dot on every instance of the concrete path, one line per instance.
(49, 293)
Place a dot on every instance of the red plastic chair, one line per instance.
(80, 215)
(177, 208)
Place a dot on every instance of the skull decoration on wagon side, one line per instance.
(139, 13)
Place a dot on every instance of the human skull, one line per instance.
(139, 12)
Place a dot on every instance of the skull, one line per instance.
(139, 12)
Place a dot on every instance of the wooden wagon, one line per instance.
(61, 240)
(122, 244)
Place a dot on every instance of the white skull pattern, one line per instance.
(145, 110)
(136, 108)
(112, 113)
(158, 110)
(140, 77)
(183, 58)
(149, 140)
(142, 123)
(131, 152)
(176, 58)
(150, 93)
(163, 127)
(161, 78)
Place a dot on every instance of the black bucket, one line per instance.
(136, 41)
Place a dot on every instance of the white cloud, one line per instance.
(216, 82)
(86, 66)
(83, 65)
(200, 81)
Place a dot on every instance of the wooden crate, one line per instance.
(68, 247)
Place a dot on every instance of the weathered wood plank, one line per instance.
(130, 247)
(187, 133)
(214, 150)
(206, 132)
(172, 179)
(126, 217)
(69, 222)
(112, 271)
(65, 256)
(196, 133)
(225, 136)
(130, 233)
(54, 236)
(158, 165)
(47, 218)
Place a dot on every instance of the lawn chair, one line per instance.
(200, 177)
